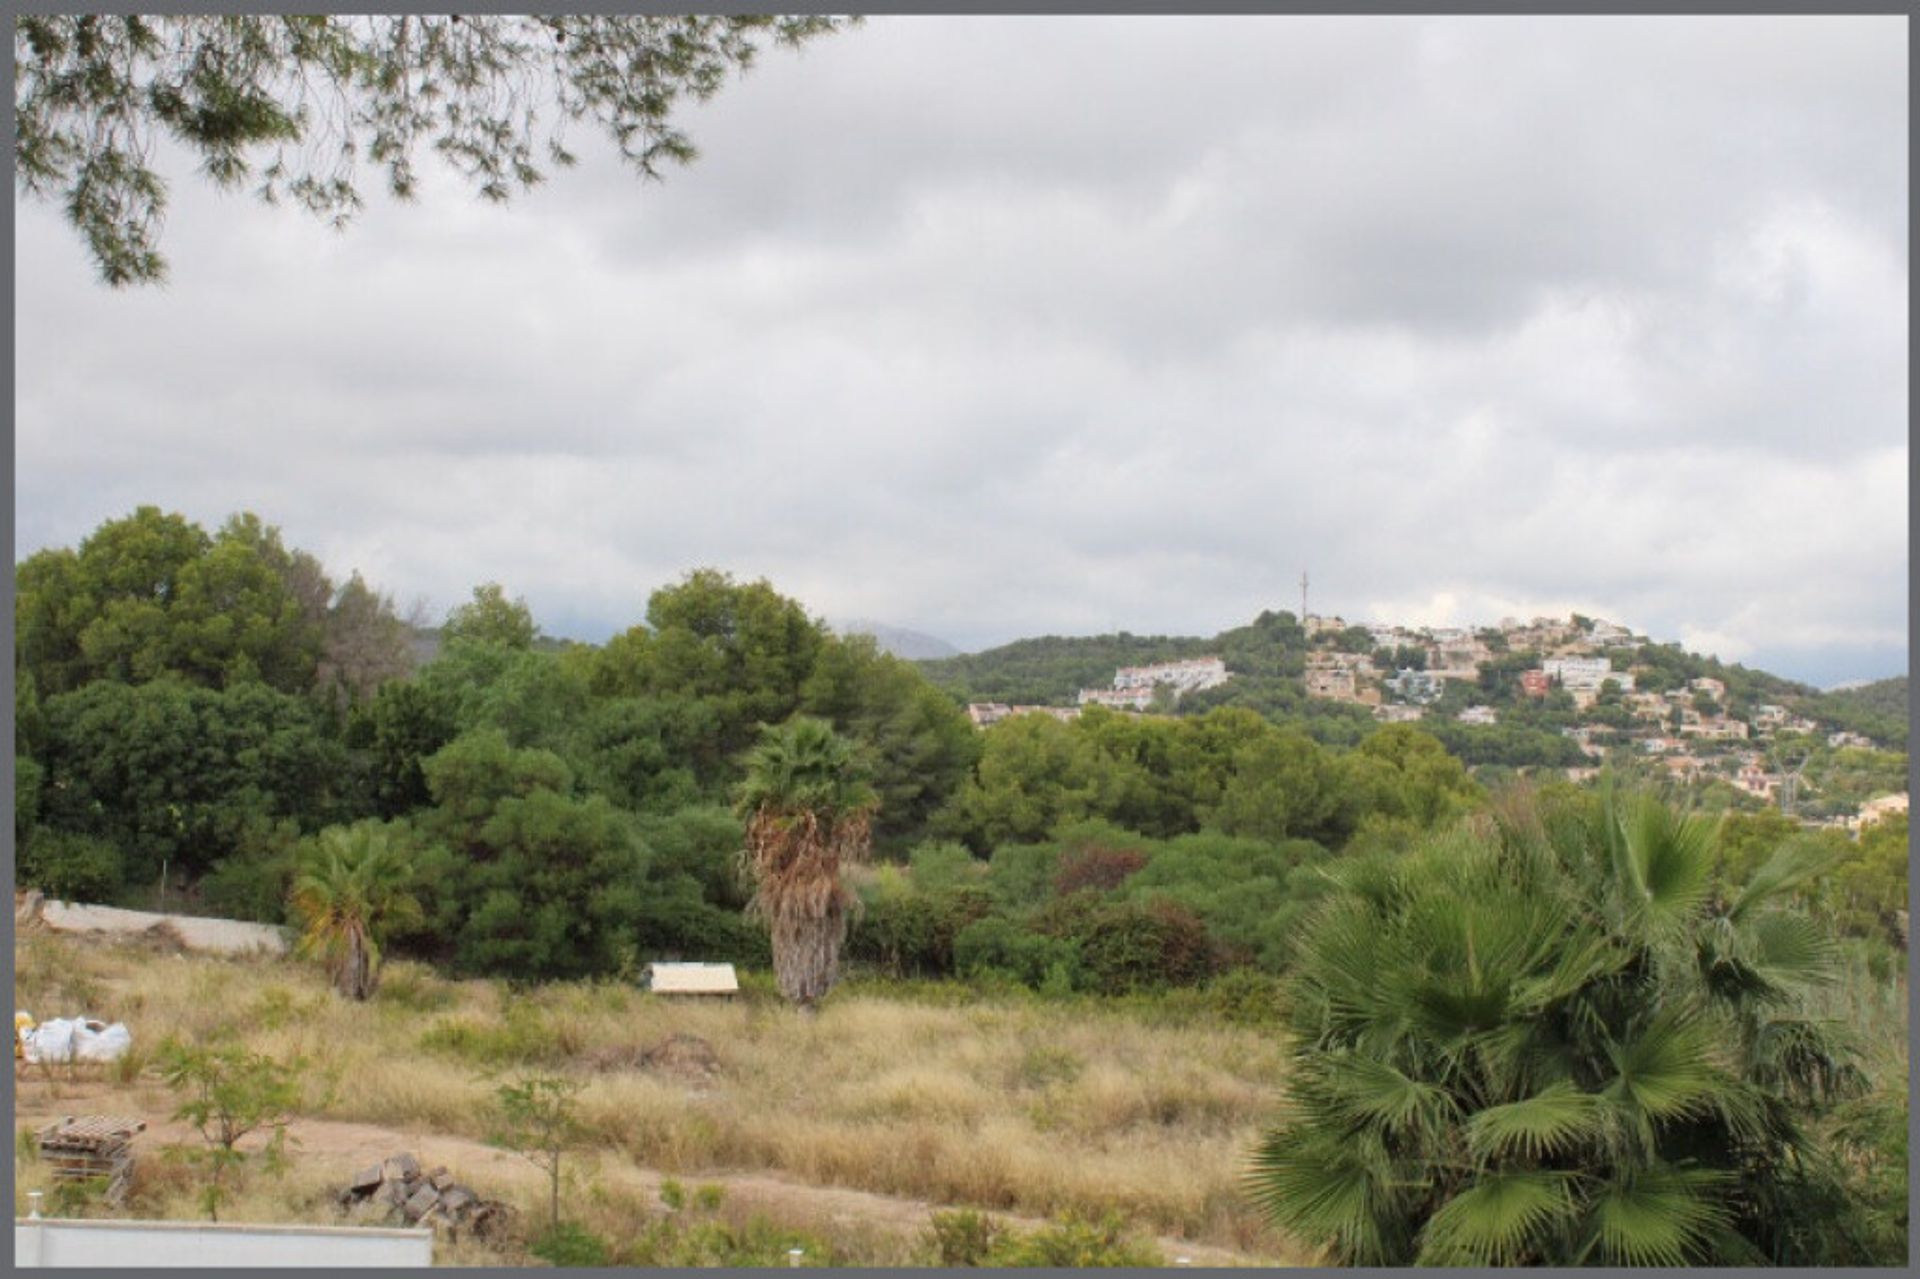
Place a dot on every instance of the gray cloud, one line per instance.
(1002, 327)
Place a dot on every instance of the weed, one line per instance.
(570, 1244)
(962, 1238)
(1045, 1064)
(1075, 1241)
(413, 988)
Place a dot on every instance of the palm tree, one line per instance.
(808, 814)
(351, 890)
(1540, 1040)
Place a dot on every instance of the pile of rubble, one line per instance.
(397, 1192)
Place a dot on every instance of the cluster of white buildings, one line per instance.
(1134, 688)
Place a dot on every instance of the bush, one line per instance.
(519, 1038)
(1075, 1241)
(571, 1244)
(1129, 947)
(252, 884)
(962, 1238)
(999, 946)
(909, 932)
(71, 867)
(1247, 997)
(1096, 868)
(759, 1243)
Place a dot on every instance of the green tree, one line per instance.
(916, 743)
(1544, 1042)
(311, 95)
(745, 651)
(351, 889)
(808, 815)
(186, 776)
(520, 877)
(491, 618)
(1283, 785)
(1034, 772)
(539, 1118)
(227, 1093)
(152, 595)
(406, 723)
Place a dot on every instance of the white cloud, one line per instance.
(1471, 317)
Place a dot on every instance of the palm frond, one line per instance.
(1666, 1071)
(1323, 1189)
(1659, 1216)
(1497, 1220)
(1552, 1120)
(1792, 864)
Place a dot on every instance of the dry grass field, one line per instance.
(850, 1127)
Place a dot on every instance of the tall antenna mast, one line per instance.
(1303, 597)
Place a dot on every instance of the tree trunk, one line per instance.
(356, 976)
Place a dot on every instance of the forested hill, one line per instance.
(1267, 657)
(1051, 669)
(1878, 709)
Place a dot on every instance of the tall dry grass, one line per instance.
(1018, 1107)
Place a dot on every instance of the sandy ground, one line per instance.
(344, 1148)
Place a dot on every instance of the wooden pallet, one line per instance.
(86, 1147)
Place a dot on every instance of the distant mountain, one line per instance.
(914, 646)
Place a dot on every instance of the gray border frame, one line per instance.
(1057, 7)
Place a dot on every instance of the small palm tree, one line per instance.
(808, 814)
(1541, 1041)
(350, 892)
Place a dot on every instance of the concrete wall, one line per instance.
(117, 1244)
(227, 936)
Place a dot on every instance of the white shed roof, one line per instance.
(691, 979)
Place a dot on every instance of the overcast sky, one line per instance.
(1002, 327)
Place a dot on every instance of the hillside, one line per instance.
(1879, 710)
(1051, 669)
(1268, 660)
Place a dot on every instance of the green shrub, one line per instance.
(413, 988)
(71, 867)
(997, 944)
(518, 1038)
(1046, 1064)
(570, 1244)
(1075, 1241)
(674, 1242)
(251, 885)
(962, 1238)
(1247, 997)
(1127, 946)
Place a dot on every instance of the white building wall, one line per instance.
(202, 1245)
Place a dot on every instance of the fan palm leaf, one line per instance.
(1498, 1219)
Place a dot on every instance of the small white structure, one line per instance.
(203, 1245)
(690, 979)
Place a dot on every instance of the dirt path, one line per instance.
(342, 1148)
